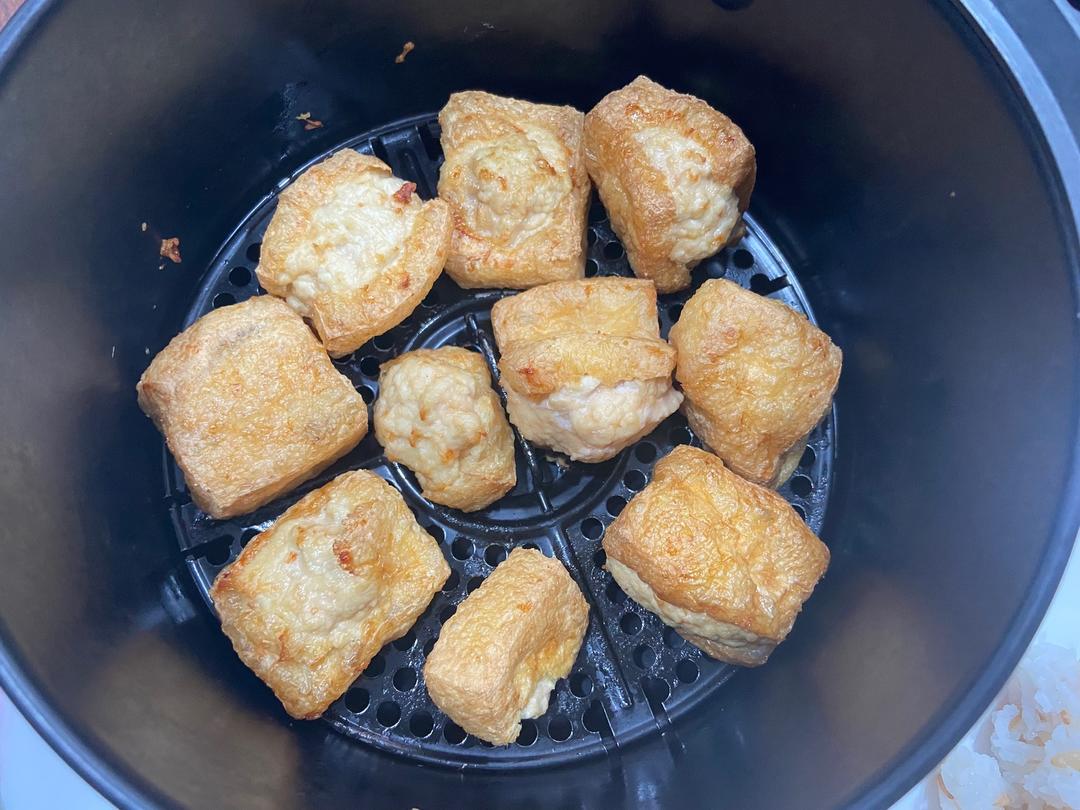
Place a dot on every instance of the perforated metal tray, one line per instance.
(633, 674)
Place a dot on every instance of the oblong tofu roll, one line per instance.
(498, 657)
(439, 416)
(757, 377)
(583, 366)
(725, 562)
(674, 174)
(353, 249)
(250, 405)
(310, 601)
(515, 180)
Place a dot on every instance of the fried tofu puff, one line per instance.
(583, 366)
(353, 249)
(515, 180)
(309, 601)
(498, 657)
(250, 405)
(439, 416)
(674, 174)
(725, 562)
(757, 377)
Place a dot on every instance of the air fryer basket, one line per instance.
(910, 200)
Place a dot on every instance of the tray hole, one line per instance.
(494, 554)
(801, 486)
(599, 558)
(592, 267)
(743, 259)
(453, 733)
(405, 679)
(559, 729)
(656, 690)
(613, 250)
(366, 393)
(437, 532)
(384, 342)
(218, 550)
(253, 251)
(596, 210)
(592, 528)
(615, 505)
(357, 700)
(375, 666)
(614, 593)
(630, 624)
(635, 480)
(224, 299)
(239, 276)
(473, 584)
(528, 733)
(447, 613)
(687, 671)
(799, 511)
(532, 547)
(808, 457)
(763, 285)
(388, 714)
(369, 366)
(673, 640)
(644, 656)
(406, 641)
(674, 311)
(429, 645)
(452, 582)
(462, 548)
(421, 724)
(595, 719)
(681, 435)
(581, 684)
(591, 236)
(645, 452)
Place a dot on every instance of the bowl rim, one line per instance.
(1056, 151)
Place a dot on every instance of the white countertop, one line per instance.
(33, 777)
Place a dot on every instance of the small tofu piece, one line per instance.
(353, 249)
(583, 366)
(250, 405)
(499, 656)
(725, 562)
(757, 377)
(516, 182)
(311, 600)
(674, 174)
(439, 416)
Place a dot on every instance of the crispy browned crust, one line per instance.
(524, 624)
(484, 465)
(250, 405)
(635, 192)
(349, 315)
(554, 248)
(757, 377)
(309, 601)
(710, 542)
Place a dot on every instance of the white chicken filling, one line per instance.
(705, 209)
(592, 422)
(355, 235)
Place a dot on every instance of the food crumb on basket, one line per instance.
(170, 249)
(309, 122)
(406, 49)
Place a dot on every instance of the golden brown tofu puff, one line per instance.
(516, 183)
(312, 599)
(725, 562)
(250, 405)
(438, 415)
(757, 378)
(583, 366)
(353, 249)
(498, 657)
(674, 174)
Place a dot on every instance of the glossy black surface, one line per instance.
(899, 174)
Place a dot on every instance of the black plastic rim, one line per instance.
(1055, 145)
